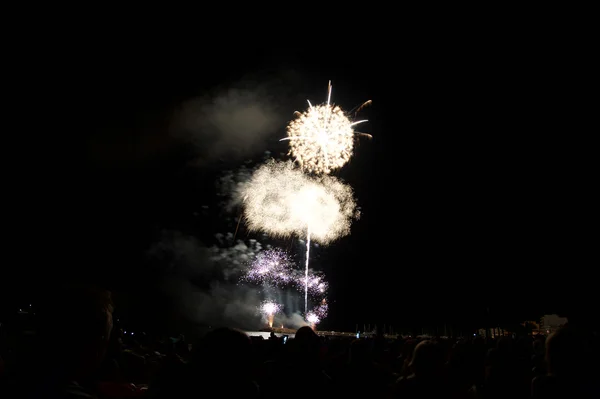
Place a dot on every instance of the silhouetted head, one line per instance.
(306, 335)
(307, 344)
(428, 359)
(221, 362)
(224, 347)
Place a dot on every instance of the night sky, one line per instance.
(476, 190)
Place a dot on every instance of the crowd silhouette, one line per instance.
(87, 357)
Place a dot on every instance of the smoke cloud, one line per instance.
(204, 281)
(230, 187)
(233, 122)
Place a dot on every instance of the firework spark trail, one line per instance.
(368, 102)
(321, 138)
(306, 270)
(237, 226)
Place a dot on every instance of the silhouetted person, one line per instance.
(427, 378)
(110, 369)
(222, 365)
(461, 371)
(406, 356)
(300, 373)
(363, 375)
(538, 357)
(569, 375)
(75, 327)
(172, 379)
(503, 372)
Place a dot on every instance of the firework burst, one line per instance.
(317, 285)
(269, 309)
(321, 310)
(312, 319)
(322, 138)
(281, 200)
(272, 267)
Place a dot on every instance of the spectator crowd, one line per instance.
(87, 357)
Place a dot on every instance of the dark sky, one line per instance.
(476, 190)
